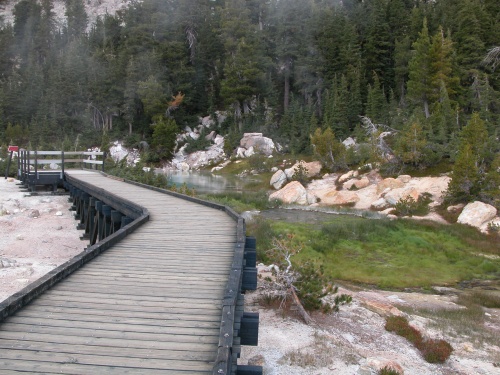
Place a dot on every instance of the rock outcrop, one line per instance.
(293, 193)
(258, 143)
(311, 169)
(278, 179)
(368, 191)
(339, 198)
(478, 215)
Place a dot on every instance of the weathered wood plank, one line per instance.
(149, 304)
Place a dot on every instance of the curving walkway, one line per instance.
(150, 304)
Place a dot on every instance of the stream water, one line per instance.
(204, 182)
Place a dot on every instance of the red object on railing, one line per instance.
(13, 148)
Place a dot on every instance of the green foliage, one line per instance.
(240, 202)
(390, 254)
(258, 162)
(105, 142)
(183, 189)
(388, 371)
(275, 67)
(300, 174)
(408, 206)
(199, 144)
(138, 174)
(470, 165)
(313, 285)
(411, 145)
(163, 139)
(329, 150)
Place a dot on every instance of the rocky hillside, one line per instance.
(94, 9)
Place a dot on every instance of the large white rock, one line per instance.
(219, 140)
(390, 183)
(249, 152)
(477, 214)
(358, 184)
(261, 144)
(405, 178)
(240, 152)
(393, 196)
(380, 204)
(339, 198)
(349, 142)
(347, 176)
(311, 169)
(293, 192)
(278, 179)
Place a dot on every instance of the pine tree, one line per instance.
(328, 149)
(77, 18)
(376, 103)
(164, 134)
(470, 165)
(464, 182)
(441, 65)
(419, 88)
(411, 144)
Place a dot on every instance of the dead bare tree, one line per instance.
(378, 132)
(301, 287)
(492, 58)
(282, 287)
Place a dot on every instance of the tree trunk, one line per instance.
(286, 94)
(426, 109)
(303, 313)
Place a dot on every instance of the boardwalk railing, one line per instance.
(18, 300)
(32, 165)
(236, 327)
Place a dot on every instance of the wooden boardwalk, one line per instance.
(150, 304)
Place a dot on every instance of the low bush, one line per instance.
(433, 351)
(400, 326)
(409, 206)
(387, 370)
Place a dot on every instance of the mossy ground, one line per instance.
(389, 254)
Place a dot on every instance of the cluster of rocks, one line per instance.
(119, 152)
(6, 262)
(369, 191)
(250, 144)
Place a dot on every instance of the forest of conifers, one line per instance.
(287, 68)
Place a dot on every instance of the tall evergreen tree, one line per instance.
(419, 89)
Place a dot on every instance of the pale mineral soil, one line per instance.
(352, 341)
(37, 234)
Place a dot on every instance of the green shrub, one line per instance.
(258, 163)
(300, 174)
(387, 370)
(409, 207)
